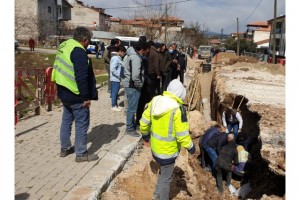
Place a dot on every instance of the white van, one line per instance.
(92, 45)
(128, 41)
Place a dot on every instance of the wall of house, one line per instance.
(47, 10)
(35, 18)
(260, 35)
(83, 16)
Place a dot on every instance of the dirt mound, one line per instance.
(230, 59)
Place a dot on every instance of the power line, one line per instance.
(252, 11)
(246, 17)
(151, 5)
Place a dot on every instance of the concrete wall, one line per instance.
(260, 35)
(83, 16)
(35, 18)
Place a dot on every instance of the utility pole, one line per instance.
(274, 33)
(238, 37)
(166, 23)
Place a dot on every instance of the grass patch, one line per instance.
(43, 60)
(102, 78)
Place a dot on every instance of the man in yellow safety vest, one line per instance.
(76, 87)
(165, 123)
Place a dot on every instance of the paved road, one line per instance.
(41, 174)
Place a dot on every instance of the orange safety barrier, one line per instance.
(50, 89)
(279, 60)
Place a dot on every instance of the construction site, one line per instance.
(257, 90)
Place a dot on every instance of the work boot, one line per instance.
(64, 153)
(86, 157)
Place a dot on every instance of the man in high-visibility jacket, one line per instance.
(165, 123)
(76, 87)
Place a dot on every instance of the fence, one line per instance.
(33, 88)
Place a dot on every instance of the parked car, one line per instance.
(92, 46)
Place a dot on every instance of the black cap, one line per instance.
(143, 39)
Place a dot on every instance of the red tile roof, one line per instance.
(258, 24)
(214, 41)
(264, 29)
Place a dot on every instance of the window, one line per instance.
(49, 9)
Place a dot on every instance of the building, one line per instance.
(259, 33)
(280, 37)
(153, 28)
(91, 17)
(40, 18)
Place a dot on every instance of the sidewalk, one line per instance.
(41, 174)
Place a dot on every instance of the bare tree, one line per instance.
(155, 17)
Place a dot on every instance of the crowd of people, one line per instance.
(154, 108)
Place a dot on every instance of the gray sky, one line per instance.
(212, 14)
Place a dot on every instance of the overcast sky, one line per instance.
(212, 14)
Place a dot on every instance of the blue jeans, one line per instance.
(133, 97)
(212, 155)
(114, 91)
(235, 127)
(81, 116)
(97, 54)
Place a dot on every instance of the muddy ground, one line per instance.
(263, 111)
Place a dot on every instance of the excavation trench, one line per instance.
(208, 94)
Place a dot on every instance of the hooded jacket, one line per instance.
(137, 71)
(165, 123)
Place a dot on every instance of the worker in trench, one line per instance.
(165, 126)
(232, 120)
(206, 162)
(226, 157)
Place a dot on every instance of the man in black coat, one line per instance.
(226, 157)
(214, 145)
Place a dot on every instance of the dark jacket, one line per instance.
(165, 60)
(211, 132)
(153, 62)
(218, 141)
(228, 154)
(85, 80)
(107, 54)
(183, 61)
(175, 55)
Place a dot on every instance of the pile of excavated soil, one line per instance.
(230, 58)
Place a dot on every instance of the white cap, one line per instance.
(177, 88)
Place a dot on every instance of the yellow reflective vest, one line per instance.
(63, 68)
(166, 122)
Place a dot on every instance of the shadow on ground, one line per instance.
(103, 134)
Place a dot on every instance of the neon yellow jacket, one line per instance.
(165, 121)
(63, 68)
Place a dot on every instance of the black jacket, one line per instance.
(228, 154)
(218, 141)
